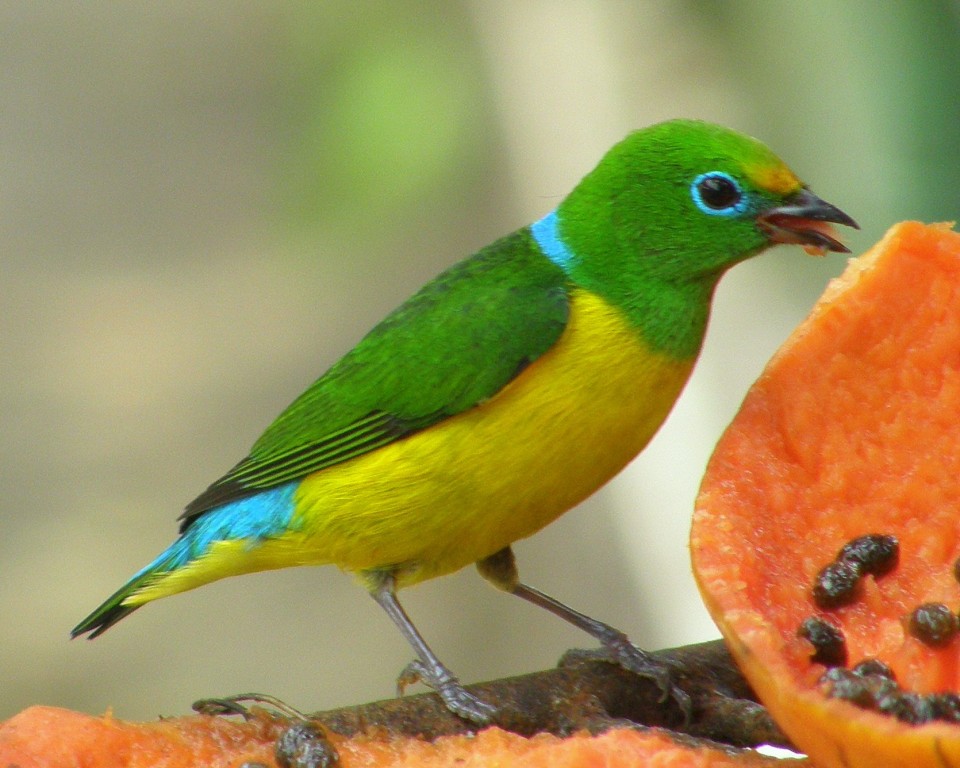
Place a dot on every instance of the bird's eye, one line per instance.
(718, 194)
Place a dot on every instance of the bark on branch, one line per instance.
(588, 694)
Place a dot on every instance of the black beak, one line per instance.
(805, 219)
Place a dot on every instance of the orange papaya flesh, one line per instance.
(50, 736)
(45, 736)
(853, 429)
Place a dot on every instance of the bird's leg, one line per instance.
(428, 668)
(500, 569)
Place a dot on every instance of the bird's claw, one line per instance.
(240, 704)
(625, 654)
(412, 674)
(301, 745)
(457, 698)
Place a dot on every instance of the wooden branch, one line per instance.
(587, 694)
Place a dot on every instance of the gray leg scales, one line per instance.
(427, 668)
(500, 569)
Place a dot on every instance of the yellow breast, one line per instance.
(465, 488)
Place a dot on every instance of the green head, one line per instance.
(673, 206)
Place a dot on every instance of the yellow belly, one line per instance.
(463, 489)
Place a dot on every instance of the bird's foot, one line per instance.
(241, 703)
(619, 650)
(457, 699)
(303, 744)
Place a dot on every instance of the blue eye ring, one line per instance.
(718, 194)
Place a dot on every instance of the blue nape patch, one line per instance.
(256, 517)
(547, 234)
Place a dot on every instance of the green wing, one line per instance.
(452, 345)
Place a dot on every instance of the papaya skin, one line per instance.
(852, 429)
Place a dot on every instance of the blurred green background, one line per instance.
(202, 205)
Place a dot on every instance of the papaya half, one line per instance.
(826, 533)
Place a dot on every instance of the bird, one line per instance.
(501, 394)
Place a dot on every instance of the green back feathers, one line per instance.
(453, 344)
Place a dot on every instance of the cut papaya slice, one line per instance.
(827, 529)
(45, 736)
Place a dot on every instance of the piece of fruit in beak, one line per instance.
(806, 220)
